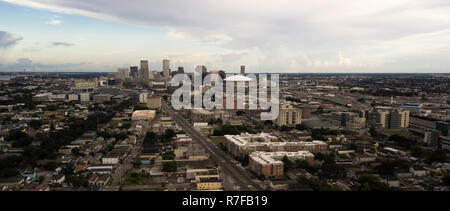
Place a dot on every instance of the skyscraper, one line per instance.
(123, 73)
(166, 67)
(134, 72)
(144, 72)
(243, 70)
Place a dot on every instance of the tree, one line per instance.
(371, 183)
(285, 128)
(35, 124)
(168, 155)
(150, 137)
(373, 132)
(245, 160)
(169, 134)
(389, 167)
(137, 164)
(288, 164)
(78, 181)
(320, 110)
(301, 127)
(332, 171)
(446, 179)
(19, 138)
(315, 184)
(436, 156)
(170, 166)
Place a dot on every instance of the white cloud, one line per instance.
(369, 32)
(8, 39)
(64, 44)
(54, 21)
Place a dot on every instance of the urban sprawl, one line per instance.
(119, 131)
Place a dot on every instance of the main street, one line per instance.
(245, 182)
(127, 163)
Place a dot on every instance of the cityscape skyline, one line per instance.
(407, 36)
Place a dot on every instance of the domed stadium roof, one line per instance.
(238, 78)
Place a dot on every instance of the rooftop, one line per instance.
(238, 78)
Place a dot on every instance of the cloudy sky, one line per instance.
(265, 35)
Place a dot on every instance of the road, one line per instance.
(243, 180)
(127, 163)
(343, 101)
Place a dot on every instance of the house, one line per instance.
(403, 174)
(418, 171)
(59, 179)
(391, 181)
(103, 180)
(93, 179)
(280, 184)
(111, 158)
(82, 166)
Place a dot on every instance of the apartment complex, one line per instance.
(269, 164)
(245, 144)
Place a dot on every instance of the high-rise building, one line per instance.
(180, 69)
(144, 71)
(289, 115)
(166, 69)
(122, 73)
(134, 71)
(348, 119)
(391, 118)
(243, 70)
(222, 74)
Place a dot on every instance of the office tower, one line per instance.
(391, 118)
(123, 73)
(134, 72)
(144, 72)
(243, 70)
(166, 67)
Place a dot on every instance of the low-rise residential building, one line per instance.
(240, 145)
(269, 164)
